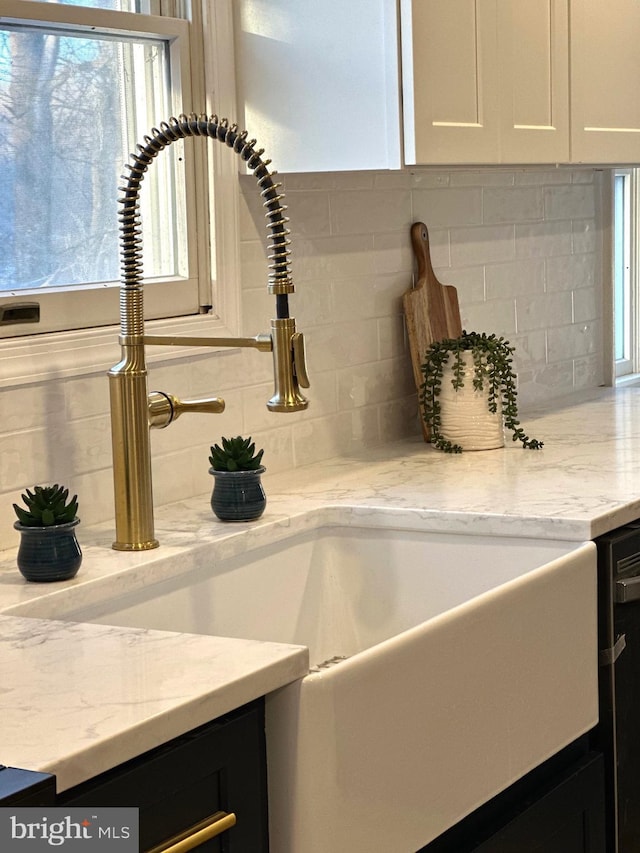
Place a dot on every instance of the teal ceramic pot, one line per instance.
(48, 554)
(238, 495)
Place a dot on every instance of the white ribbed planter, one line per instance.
(465, 418)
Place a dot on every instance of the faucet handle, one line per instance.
(164, 408)
(288, 372)
(300, 359)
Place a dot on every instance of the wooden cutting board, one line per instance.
(431, 309)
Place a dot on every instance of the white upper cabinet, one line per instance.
(449, 81)
(533, 39)
(482, 81)
(485, 81)
(317, 82)
(605, 81)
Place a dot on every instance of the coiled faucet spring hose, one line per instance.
(131, 291)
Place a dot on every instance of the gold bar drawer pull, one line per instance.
(197, 834)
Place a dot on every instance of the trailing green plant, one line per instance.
(492, 370)
(236, 454)
(46, 506)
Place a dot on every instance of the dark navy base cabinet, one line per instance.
(218, 767)
(558, 808)
(26, 788)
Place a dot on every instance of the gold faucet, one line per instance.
(133, 409)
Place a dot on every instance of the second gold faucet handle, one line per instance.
(165, 408)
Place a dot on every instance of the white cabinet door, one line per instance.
(605, 81)
(485, 81)
(533, 41)
(449, 80)
(318, 82)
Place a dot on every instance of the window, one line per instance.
(625, 277)
(81, 82)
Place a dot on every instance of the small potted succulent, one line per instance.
(237, 469)
(49, 549)
(471, 417)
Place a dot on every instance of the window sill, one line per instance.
(627, 379)
(40, 358)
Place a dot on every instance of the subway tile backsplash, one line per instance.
(523, 247)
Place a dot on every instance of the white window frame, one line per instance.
(209, 64)
(625, 230)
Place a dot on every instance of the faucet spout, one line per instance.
(133, 410)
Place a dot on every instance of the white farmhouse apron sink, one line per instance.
(443, 668)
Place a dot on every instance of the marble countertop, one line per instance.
(79, 699)
(122, 694)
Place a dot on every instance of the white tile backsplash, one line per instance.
(29, 407)
(573, 341)
(482, 245)
(531, 348)
(499, 314)
(541, 177)
(543, 239)
(586, 305)
(366, 211)
(482, 178)
(586, 236)
(513, 278)
(532, 311)
(444, 208)
(537, 384)
(523, 247)
(576, 201)
(571, 272)
(587, 371)
(512, 204)
(470, 283)
(391, 337)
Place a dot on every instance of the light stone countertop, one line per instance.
(76, 700)
(106, 694)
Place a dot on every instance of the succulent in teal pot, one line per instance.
(236, 454)
(237, 469)
(47, 505)
(49, 549)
